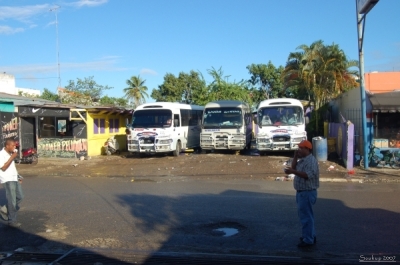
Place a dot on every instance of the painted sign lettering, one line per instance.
(62, 147)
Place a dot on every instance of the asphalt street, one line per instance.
(182, 214)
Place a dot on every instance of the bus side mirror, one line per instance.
(126, 122)
(176, 122)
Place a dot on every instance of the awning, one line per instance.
(385, 102)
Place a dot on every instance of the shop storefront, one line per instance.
(386, 119)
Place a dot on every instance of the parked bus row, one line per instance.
(165, 127)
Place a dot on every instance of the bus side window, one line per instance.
(176, 120)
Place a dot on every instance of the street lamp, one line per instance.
(55, 9)
(362, 8)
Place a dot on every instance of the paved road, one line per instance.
(178, 213)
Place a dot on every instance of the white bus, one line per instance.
(227, 124)
(280, 124)
(164, 127)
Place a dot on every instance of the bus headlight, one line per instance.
(166, 141)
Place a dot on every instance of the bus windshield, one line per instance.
(229, 117)
(281, 115)
(154, 118)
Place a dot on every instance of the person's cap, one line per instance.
(305, 144)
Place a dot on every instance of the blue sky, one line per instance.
(113, 40)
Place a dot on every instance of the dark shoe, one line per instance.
(4, 215)
(303, 244)
(315, 239)
(14, 224)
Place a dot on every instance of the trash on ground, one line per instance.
(287, 178)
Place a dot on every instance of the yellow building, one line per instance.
(102, 123)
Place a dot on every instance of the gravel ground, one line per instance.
(199, 166)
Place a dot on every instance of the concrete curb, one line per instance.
(164, 177)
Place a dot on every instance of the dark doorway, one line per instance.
(28, 133)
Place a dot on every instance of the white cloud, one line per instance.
(88, 3)
(106, 65)
(22, 13)
(146, 71)
(26, 14)
(9, 30)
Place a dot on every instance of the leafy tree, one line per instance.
(293, 83)
(192, 88)
(136, 91)
(48, 95)
(221, 89)
(268, 79)
(186, 87)
(113, 101)
(322, 72)
(84, 91)
(27, 95)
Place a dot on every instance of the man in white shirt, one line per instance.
(9, 179)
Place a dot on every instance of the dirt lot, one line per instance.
(213, 165)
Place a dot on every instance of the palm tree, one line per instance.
(322, 71)
(136, 91)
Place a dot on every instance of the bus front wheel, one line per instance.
(177, 150)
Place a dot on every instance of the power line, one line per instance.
(54, 77)
(55, 9)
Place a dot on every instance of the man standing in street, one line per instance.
(11, 183)
(306, 182)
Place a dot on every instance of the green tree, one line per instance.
(136, 92)
(113, 101)
(48, 95)
(27, 95)
(192, 88)
(222, 89)
(84, 91)
(322, 72)
(186, 87)
(267, 78)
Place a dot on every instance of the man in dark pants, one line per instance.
(9, 179)
(306, 182)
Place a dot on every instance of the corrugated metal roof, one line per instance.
(20, 100)
(38, 102)
(385, 101)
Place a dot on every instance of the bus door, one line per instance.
(178, 130)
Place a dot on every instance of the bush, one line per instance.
(311, 128)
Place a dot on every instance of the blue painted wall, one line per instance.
(6, 106)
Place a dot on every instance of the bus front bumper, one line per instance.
(156, 146)
(267, 144)
(223, 144)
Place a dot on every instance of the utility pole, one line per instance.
(362, 8)
(55, 10)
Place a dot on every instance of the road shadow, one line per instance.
(266, 224)
(32, 243)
